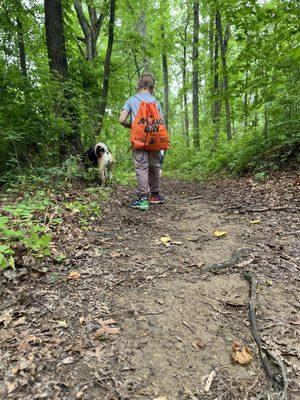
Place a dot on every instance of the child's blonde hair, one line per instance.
(146, 81)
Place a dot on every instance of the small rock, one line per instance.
(91, 327)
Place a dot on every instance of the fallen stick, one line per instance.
(210, 378)
(188, 326)
(264, 353)
(241, 210)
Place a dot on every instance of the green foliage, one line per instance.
(38, 112)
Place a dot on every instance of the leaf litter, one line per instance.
(110, 365)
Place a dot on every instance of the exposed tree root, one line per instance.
(265, 354)
(234, 261)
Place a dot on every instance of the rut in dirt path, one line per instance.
(146, 321)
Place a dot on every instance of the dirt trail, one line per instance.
(145, 320)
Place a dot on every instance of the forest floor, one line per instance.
(127, 316)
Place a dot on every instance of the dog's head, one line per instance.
(100, 148)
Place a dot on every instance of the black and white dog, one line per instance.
(99, 157)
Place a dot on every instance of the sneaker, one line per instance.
(156, 199)
(141, 204)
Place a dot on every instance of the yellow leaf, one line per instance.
(255, 221)
(74, 275)
(220, 233)
(165, 239)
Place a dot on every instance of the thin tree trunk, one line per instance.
(21, 46)
(55, 38)
(143, 33)
(90, 29)
(211, 55)
(223, 47)
(196, 133)
(246, 112)
(106, 73)
(216, 93)
(184, 81)
(165, 78)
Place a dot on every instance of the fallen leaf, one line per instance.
(74, 275)
(20, 321)
(220, 233)
(24, 365)
(15, 370)
(68, 360)
(106, 328)
(62, 323)
(161, 398)
(255, 221)
(6, 319)
(115, 254)
(165, 240)
(240, 354)
(11, 387)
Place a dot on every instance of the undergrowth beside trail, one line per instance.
(36, 205)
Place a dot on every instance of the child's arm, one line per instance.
(123, 119)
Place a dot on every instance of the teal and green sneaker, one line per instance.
(141, 204)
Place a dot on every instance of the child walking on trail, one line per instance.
(148, 138)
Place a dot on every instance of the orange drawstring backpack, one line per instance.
(148, 131)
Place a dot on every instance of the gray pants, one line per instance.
(146, 165)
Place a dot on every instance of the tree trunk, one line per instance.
(106, 73)
(143, 33)
(223, 47)
(21, 46)
(216, 93)
(91, 29)
(165, 78)
(184, 82)
(196, 133)
(70, 142)
(55, 38)
(246, 111)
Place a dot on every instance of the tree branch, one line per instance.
(81, 18)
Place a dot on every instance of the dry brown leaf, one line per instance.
(115, 254)
(6, 319)
(74, 275)
(15, 370)
(240, 354)
(106, 328)
(20, 321)
(11, 387)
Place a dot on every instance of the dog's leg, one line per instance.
(101, 171)
(110, 167)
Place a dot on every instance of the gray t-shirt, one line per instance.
(133, 104)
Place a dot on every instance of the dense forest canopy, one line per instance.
(227, 76)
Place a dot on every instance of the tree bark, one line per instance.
(21, 46)
(143, 33)
(70, 142)
(55, 38)
(216, 91)
(184, 80)
(165, 78)
(106, 73)
(195, 73)
(90, 29)
(223, 48)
